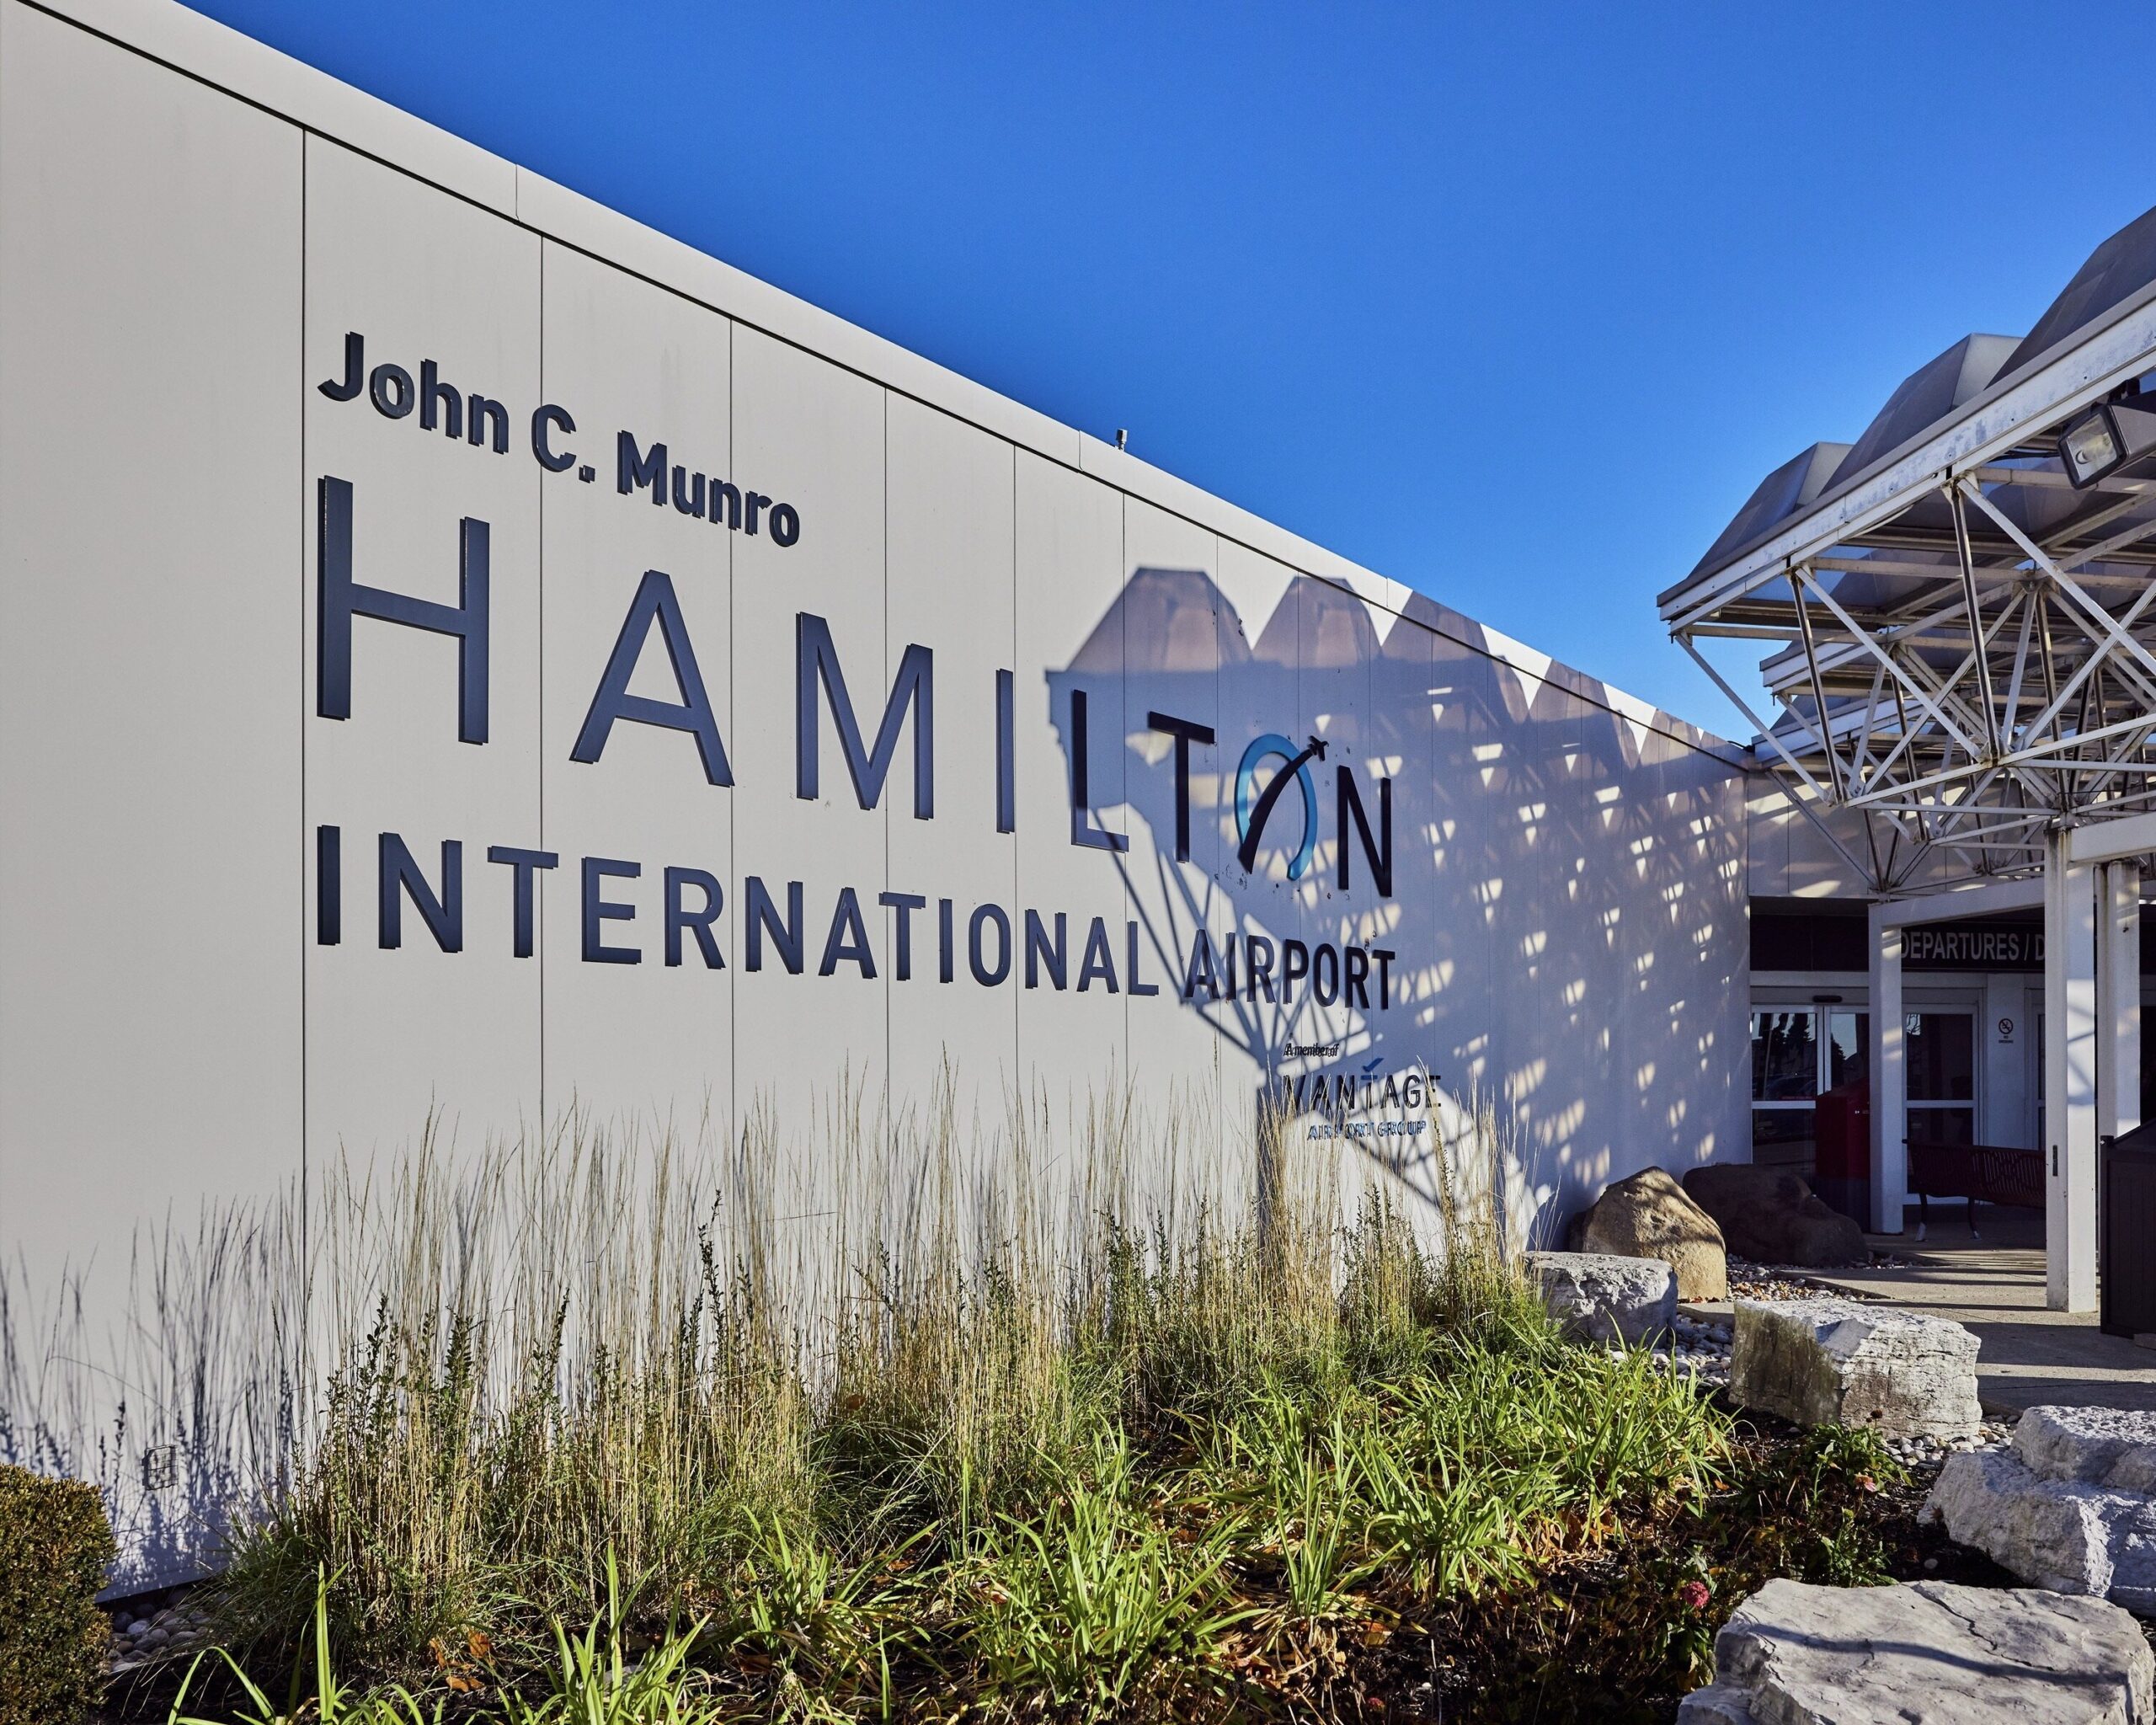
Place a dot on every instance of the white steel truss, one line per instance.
(1966, 643)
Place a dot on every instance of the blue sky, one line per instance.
(1513, 304)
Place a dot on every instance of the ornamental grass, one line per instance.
(1100, 1417)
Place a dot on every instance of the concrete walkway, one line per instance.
(1995, 1285)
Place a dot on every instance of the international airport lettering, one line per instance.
(926, 934)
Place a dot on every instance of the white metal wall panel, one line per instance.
(1337, 645)
(1257, 640)
(952, 523)
(393, 1032)
(814, 436)
(1520, 869)
(1171, 662)
(1591, 971)
(1446, 881)
(150, 843)
(651, 1037)
(1407, 708)
(1069, 638)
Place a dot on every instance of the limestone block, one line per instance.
(1771, 1216)
(1717, 1704)
(1600, 1297)
(1648, 1215)
(2100, 1446)
(1835, 1362)
(2065, 1535)
(1930, 1651)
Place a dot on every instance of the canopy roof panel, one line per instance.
(1789, 489)
(1962, 636)
(2116, 271)
(1927, 396)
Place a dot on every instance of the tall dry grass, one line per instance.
(603, 1344)
(1050, 1408)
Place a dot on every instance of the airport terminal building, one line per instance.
(466, 656)
(467, 652)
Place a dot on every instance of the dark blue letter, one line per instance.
(542, 446)
(329, 885)
(633, 469)
(400, 874)
(524, 862)
(1007, 753)
(340, 599)
(763, 914)
(816, 659)
(1083, 832)
(1044, 954)
(1351, 811)
(598, 911)
(655, 600)
(848, 939)
(679, 916)
(356, 367)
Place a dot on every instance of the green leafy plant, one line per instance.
(1095, 1605)
(596, 1682)
(322, 1700)
(793, 1600)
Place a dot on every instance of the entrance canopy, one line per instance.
(1961, 667)
(1962, 645)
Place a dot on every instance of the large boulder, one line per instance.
(1771, 1216)
(2062, 1534)
(1926, 1652)
(2069, 1507)
(1833, 1362)
(2099, 1446)
(1648, 1215)
(1599, 1297)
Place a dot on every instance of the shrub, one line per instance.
(55, 1546)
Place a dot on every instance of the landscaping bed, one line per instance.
(1231, 1472)
(1222, 1595)
(1621, 1632)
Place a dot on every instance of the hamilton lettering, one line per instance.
(623, 909)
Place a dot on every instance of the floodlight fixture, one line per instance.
(2106, 438)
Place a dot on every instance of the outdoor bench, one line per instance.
(1980, 1173)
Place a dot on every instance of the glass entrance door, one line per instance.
(1785, 1085)
(1942, 1056)
(1799, 1052)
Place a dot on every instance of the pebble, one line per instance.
(1779, 1281)
(1930, 1452)
(1700, 1349)
(177, 1628)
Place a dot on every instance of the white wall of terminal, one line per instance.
(192, 231)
